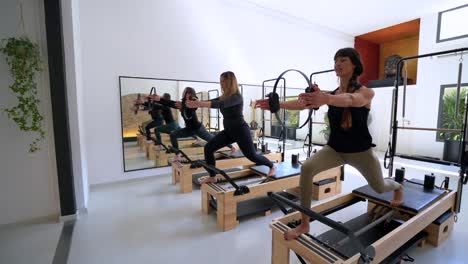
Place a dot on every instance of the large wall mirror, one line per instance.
(140, 153)
(135, 153)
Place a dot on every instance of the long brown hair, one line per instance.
(353, 84)
(188, 90)
(231, 86)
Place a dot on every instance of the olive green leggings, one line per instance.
(365, 162)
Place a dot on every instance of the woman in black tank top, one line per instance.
(350, 141)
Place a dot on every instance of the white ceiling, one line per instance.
(356, 17)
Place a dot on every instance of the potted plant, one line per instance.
(23, 59)
(452, 139)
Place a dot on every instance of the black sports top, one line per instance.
(231, 107)
(166, 113)
(154, 110)
(354, 139)
(190, 118)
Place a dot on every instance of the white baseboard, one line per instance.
(33, 221)
(68, 218)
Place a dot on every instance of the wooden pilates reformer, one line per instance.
(147, 146)
(184, 172)
(243, 192)
(155, 153)
(224, 197)
(426, 215)
(161, 157)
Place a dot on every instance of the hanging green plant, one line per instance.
(23, 58)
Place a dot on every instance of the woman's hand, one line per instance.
(155, 97)
(262, 104)
(314, 99)
(192, 104)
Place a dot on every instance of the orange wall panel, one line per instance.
(404, 48)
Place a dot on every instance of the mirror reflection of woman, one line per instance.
(230, 103)
(193, 127)
(170, 125)
(154, 110)
(349, 142)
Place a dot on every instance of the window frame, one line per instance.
(441, 106)
(438, 39)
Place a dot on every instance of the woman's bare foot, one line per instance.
(233, 150)
(158, 147)
(297, 232)
(176, 158)
(272, 171)
(207, 179)
(397, 197)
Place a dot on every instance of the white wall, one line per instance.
(182, 39)
(73, 71)
(28, 182)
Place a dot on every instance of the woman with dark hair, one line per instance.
(350, 141)
(230, 103)
(193, 127)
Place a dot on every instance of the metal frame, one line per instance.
(217, 112)
(309, 119)
(283, 132)
(394, 128)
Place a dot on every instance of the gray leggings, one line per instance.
(365, 162)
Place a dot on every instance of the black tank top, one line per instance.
(231, 107)
(354, 139)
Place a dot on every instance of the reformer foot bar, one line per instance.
(161, 157)
(183, 173)
(230, 207)
(424, 214)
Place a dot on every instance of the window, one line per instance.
(452, 24)
(292, 116)
(446, 118)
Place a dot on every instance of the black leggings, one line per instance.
(242, 136)
(154, 123)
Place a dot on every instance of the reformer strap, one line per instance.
(240, 190)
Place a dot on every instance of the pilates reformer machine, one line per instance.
(381, 233)
(243, 192)
(161, 156)
(186, 173)
(230, 205)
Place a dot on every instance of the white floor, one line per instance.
(148, 221)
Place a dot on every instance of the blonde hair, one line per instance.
(231, 86)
